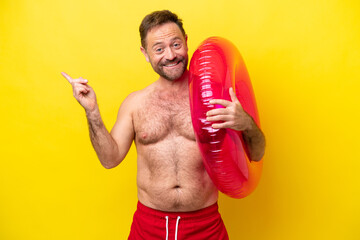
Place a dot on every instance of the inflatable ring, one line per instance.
(216, 66)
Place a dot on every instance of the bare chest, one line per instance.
(159, 117)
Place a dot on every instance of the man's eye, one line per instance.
(177, 45)
(158, 50)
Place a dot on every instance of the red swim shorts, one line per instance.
(151, 224)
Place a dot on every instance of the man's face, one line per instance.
(166, 50)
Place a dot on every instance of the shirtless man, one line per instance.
(177, 199)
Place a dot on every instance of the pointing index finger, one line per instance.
(67, 77)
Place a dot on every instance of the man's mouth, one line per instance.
(172, 64)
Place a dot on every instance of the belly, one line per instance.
(171, 176)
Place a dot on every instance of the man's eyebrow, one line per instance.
(158, 43)
(175, 38)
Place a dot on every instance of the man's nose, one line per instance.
(170, 54)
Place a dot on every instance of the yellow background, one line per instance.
(303, 59)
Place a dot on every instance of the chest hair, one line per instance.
(163, 115)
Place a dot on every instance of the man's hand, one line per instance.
(233, 115)
(83, 93)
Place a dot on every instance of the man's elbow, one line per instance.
(110, 164)
(257, 157)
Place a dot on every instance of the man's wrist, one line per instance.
(250, 126)
(92, 113)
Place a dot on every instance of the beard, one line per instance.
(171, 74)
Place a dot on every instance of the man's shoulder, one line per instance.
(135, 99)
(138, 95)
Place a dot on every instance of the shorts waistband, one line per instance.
(198, 214)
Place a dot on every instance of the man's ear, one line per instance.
(186, 41)
(143, 50)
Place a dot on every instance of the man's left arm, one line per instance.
(234, 116)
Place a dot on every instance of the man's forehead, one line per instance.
(166, 31)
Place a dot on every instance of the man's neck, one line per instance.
(175, 84)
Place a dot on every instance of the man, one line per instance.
(177, 199)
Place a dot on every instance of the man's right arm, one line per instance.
(112, 148)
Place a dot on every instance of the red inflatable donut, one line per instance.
(216, 66)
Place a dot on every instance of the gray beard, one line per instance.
(171, 78)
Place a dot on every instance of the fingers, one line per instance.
(78, 85)
(226, 103)
(234, 98)
(67, 77)
(222, 102)
(221, 125)
(233, 95)
(219, 114)
(71, 80)
(80, 91)
(219, 118)
(217, 111)
(79, 80)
